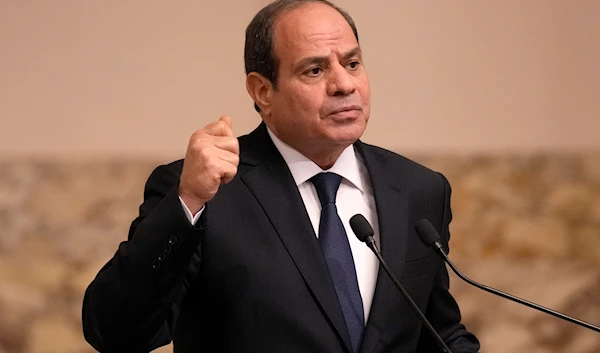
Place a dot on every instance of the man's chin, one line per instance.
(347, 135)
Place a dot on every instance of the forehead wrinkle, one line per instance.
(298, 35)
(302, 20)
(334, 35)
(322, 40)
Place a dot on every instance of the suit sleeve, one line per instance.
(442, 310)
(132, 304)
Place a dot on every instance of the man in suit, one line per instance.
(245, 246)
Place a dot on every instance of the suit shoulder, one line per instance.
(401, 164)
(168, 173)
(173, 167)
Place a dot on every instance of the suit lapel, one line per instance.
(391, 202)
(273, 186)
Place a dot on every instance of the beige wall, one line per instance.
(135, 78)
(86, 78)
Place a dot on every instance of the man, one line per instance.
(244, 246)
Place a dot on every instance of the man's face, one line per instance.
(322, 101)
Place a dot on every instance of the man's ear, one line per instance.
(261, 91)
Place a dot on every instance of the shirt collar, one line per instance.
(302, 168)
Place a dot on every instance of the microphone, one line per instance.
(364, 232)
(430, 237)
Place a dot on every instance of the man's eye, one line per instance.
(314, 71)
(353, 65)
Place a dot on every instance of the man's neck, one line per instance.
(325, 158)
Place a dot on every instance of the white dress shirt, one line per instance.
(355, 195)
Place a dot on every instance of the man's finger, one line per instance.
(219, 128)
(227, 171)
(229, 144)
(227, 120)
(229, 157)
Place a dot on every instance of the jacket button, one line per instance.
(173, 240)
(156, 265)
(168, 249)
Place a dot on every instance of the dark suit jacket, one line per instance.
(250, 276)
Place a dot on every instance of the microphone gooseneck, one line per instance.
(430, 237)
(364, 232)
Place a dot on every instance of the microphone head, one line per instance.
(427, 233)
(361, 227)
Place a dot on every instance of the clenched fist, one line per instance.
(212, 158)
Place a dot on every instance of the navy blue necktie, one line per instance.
(336, 248)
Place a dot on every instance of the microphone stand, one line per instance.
(440, 250)
(370, 241)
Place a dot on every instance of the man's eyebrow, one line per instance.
(311, 60)
(353, 53)
(323, 59)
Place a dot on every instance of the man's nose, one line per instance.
(341, 82)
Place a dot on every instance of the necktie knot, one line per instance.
(327, 185)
